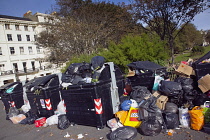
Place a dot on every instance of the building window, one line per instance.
(33, 28)
(0, 51)
(30, 50)
(15, 67)
(33, 65)
(17, 27)
(35, 37)
(26, 28)
(21, 50)
(24, 67)
(19, 37)
(38, 49)
(9, 37)
(7, 26)
(12, 50)
(1, 67)
(28, 37)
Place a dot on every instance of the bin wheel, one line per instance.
(99, 128)
(72, 124)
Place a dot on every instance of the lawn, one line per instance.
(185, 56)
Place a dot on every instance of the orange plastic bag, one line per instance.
(122, 115)
(132, 118)
(196, 118)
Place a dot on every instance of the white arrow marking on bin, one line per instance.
(98, 106)
(12, 104)
(48, 104)
(64, 105)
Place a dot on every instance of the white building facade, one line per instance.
(20, 57)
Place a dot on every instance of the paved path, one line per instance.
(10, 131)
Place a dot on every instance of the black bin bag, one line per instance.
(63, 122)
(123, 133)
(171, 120)
(170, 88)
(150, 127)
(139, 93)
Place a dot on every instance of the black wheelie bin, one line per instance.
(93, 104)
(12, 95)
(145, 72)
(43, 95)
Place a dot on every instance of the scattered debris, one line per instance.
(80, 136)
(67, 135)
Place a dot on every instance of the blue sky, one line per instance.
(19, 7)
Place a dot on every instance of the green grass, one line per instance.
(186, 56)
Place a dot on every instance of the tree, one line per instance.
(136, 48)
(85, 27)
(188, 38)
(167, 17)
(207, 36)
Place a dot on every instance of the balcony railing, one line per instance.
(19, 72)
(2, 73)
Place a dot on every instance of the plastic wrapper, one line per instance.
(13, 111)
(184, 117)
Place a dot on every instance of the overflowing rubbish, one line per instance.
(147, 101)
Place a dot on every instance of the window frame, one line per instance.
(7, 26)
(17, 27)
(25, 27)
(28, 38)
(30, 50)
(9, 37)
(1, 51)
(21, 50)
(12, 50)
(38, 50)
(19, 37)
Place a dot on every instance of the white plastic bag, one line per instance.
(157, 82)
(61, 109)
(52, 120)
(25, 108)
(184, 117)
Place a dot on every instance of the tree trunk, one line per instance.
(171, 44)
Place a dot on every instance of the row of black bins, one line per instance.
(79, 99)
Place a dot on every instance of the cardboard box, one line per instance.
(204, 83)
(161, 100)
(184, 69)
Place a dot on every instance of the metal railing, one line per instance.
(19, 72)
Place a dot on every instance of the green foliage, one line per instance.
(197, 50)
(136, 48)
(188, 38)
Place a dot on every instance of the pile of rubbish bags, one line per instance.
(152, 101)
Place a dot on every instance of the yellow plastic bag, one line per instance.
(121, 115)
(196, 118)
(132, 118)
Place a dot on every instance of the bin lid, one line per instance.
(41, 81)
(8, 85)
(146, 65)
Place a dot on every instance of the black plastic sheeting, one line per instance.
(146, 65)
